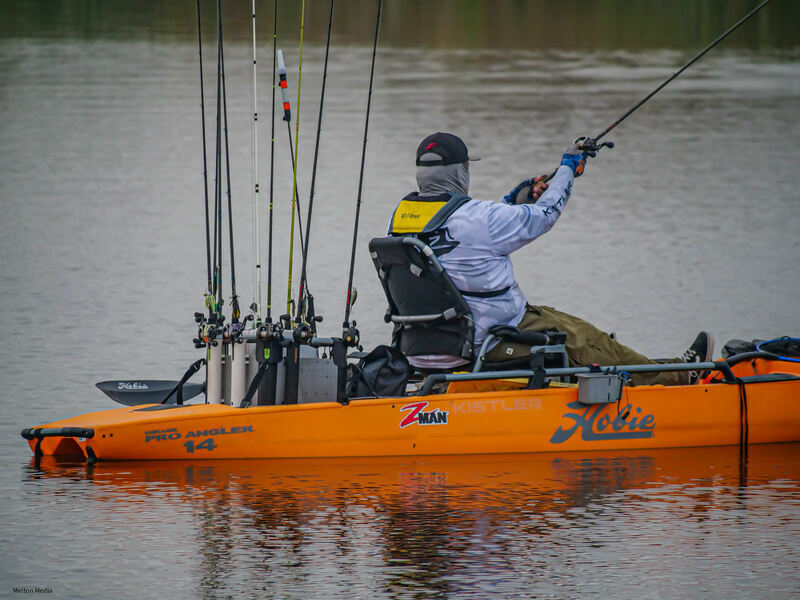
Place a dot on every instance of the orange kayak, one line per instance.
(470, 417)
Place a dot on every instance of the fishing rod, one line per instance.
(590, 145)
(217, 283)
(272, 160)
(294, 162)
(255, 307)
(205, 160)
(287, 116)
(349, 334)
(235, 313)
(303, 283)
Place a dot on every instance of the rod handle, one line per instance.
(281, 64)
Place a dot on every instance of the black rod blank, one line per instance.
(696, 57)
(347, 307)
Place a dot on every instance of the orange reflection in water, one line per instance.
(480, 482)
(421, 518)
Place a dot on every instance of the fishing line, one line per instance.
(205, 160)
(272, 158)
(256, 305)
(294, 162)
(303, 274)
(234, 298)
(346, 323)
(296, 189)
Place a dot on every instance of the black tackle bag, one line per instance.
(382, 372)
(786, 347)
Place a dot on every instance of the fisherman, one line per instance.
(474, 242)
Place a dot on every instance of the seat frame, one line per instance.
(548, 346)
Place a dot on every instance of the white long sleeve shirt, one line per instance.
(482, 235)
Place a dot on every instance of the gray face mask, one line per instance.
(442, 179)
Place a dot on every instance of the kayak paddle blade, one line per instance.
(132, 392)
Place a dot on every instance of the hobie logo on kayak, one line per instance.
(416, 415)
(132, 385)
(605, 428)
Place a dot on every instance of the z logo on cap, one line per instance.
(431, 145)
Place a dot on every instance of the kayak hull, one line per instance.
(467, 419)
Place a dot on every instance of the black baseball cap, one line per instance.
(450, 149)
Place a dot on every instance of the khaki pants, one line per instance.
(585, 345)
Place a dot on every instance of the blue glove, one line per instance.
(527, 191)
(521, 193)
(575, 159)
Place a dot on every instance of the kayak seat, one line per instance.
(432, 320)
(428, 313)
(547, 349)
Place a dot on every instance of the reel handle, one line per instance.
(590, 145)
(586, 144)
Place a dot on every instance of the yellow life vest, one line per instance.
(423, 214)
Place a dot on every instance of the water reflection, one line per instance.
(417, 526)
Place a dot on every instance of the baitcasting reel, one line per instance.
(590, 145)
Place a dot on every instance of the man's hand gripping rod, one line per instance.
(582, 145)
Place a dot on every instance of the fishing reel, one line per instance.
(307, 318)
(207, 334)
(207, 329)
(302, 333)
(351, 336)
(266, 332)
(590, 145)
(233, 333)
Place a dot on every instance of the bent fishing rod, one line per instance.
(590, 145)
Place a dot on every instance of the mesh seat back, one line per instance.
(430, 315)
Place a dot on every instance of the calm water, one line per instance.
(691, 222)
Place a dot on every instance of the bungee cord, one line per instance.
(303, 274)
